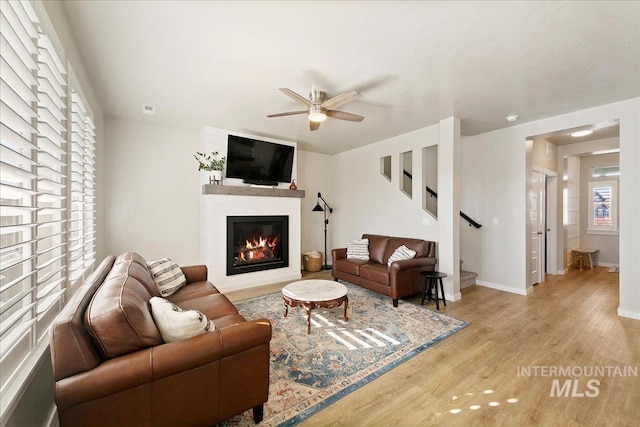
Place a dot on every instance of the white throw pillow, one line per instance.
(176, 324)
(167, 275)
(401, 253)
(358, 249)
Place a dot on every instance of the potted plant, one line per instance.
(211, 162)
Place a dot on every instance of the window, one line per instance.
(605, 171)
(603, 212)
(41, 179)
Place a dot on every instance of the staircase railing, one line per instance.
(434, 194)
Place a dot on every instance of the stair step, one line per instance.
(467, 279)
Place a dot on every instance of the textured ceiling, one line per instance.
(220, 64)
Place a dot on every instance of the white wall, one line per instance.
(543, 155)
(152, 191)
(572, 206)
(608, 245)
(629, 192)
(493, 192)
(315, 175)
(366, 202)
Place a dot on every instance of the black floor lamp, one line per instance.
(323, 209)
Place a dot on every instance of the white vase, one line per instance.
(216, 177)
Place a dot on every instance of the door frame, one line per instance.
(547, 259)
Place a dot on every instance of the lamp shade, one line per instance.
(317, 208)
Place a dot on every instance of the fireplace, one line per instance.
(256, 243)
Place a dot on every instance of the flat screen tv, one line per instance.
(258, 162)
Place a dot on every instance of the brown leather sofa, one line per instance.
(112, 368)
(399, 280)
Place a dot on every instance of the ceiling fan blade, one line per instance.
(344, 116)
(288, 113)
(292, 94)
(314, 125)
(341, 99)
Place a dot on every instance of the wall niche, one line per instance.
(385, 167)
(430, 179)
(406, 173)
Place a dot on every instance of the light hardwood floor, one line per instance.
(567, 321)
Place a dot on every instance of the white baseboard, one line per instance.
(503, 288)
(53, 421)
(452, 297)
(628, 313)
(605, 264)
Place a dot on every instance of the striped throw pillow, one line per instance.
(167, 275)
(401, 253)
(358, 249)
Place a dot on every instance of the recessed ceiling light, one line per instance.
(581, 133)
(512, 118)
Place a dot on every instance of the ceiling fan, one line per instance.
(319, 108)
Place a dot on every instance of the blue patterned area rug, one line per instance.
(310, 372)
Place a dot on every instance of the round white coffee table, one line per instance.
(310, 294)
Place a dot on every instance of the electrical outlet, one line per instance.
(495, 221)
(426, 221)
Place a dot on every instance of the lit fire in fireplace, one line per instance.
(258, 249)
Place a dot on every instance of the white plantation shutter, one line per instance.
(52, 182)
(18, 185)
(89, 194)
(82, 214)
(47, 200)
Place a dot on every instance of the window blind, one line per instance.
(18, 185)
(51, 185)
(82, 166)
(47, 190)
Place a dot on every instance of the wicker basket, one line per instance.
(312, 261)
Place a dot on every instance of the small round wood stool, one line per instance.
(431, 282)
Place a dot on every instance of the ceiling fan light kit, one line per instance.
(318, 109)
(317, 114)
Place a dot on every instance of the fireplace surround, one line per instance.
(257, 243)
(218, 202)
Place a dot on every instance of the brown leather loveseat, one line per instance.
(399, 280)
(112, 368)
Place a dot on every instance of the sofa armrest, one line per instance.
(339, 253)
(154, 363)
(409, 264)
(241, 336)
(195, 273)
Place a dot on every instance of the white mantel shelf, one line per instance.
(233, 190)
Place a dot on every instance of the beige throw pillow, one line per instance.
(401, 253)
(177, 324)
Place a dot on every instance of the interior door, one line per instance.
(536, 211)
